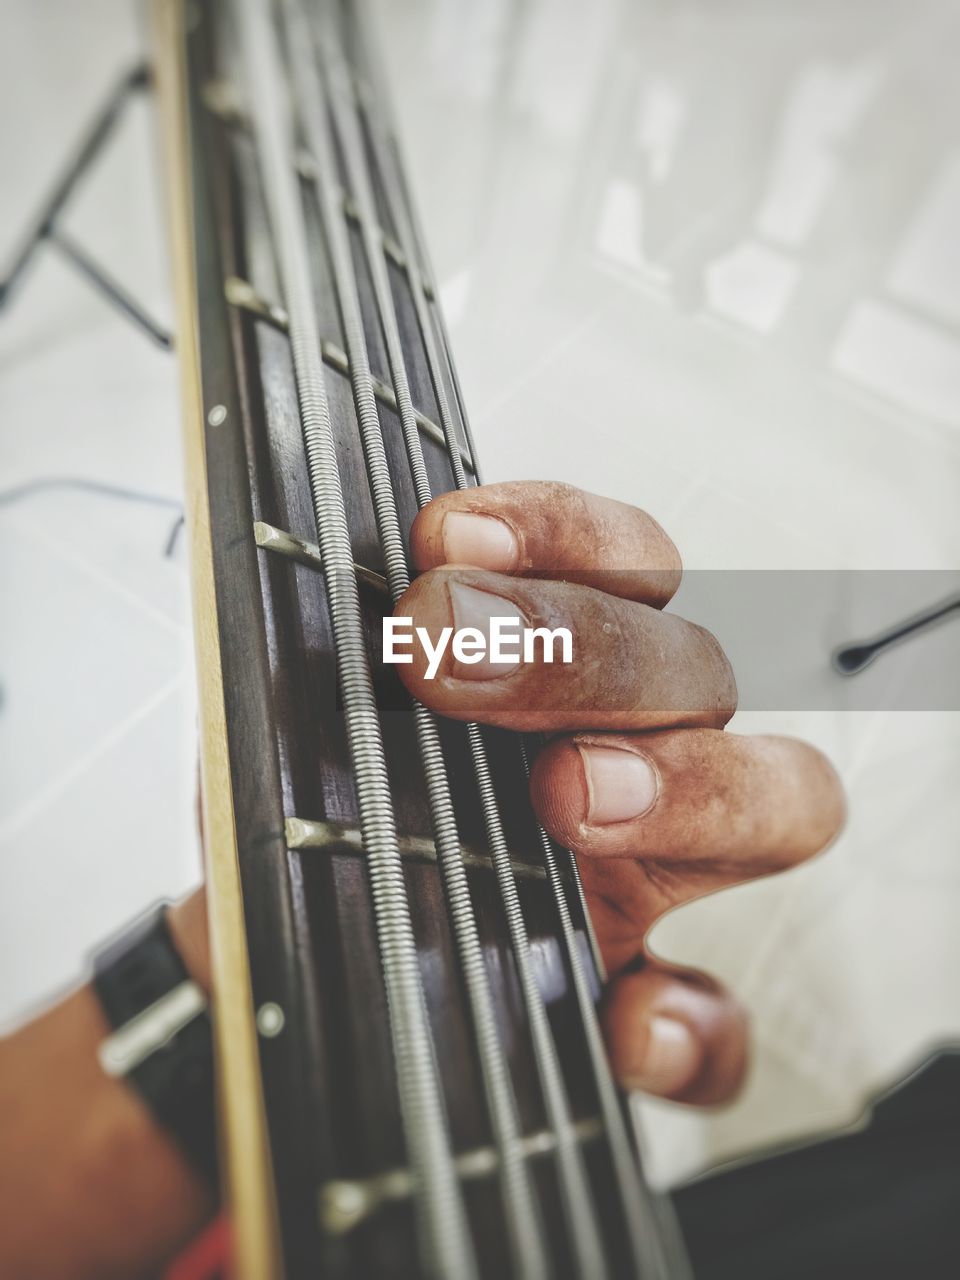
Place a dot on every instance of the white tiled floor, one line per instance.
(97, 767)
(701, 257)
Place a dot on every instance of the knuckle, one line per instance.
(719, 672)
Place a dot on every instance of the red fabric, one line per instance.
(205, 1258)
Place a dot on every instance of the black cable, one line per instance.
(105, 490)
(174, 534)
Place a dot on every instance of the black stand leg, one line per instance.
(43, 227)
(852, 657)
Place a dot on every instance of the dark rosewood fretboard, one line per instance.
(406, 950)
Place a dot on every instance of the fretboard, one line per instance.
(413, 1079)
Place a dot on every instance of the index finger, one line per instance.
(550, 530)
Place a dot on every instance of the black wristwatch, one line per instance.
(162, 1042)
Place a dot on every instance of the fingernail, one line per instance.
(620, 784)
(671, 1058)
(473, 608)
(483, 541)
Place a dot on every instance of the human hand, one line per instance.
(660, 804)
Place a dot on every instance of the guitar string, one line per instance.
(652, 1220)
(441, 1212)
(524, 1222)
(654, 1237)
(574, 1183)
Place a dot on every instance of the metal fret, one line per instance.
(441, 1211)
(528, 1245)
(219, 98)
(309, 833)
(308, 553)
(240, 293)
(390, 246)
(345, 1203)
(308, 169)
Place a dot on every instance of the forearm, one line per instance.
(89, 1184)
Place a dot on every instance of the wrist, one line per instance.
(92, 1185)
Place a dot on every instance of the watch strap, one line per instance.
(162, 1042)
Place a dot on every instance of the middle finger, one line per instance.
(676, 674)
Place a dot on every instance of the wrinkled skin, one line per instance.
(638, 777)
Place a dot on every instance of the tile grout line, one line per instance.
(14, 825)
(523, 380)
(106, 579)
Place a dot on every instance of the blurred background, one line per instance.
(701, 257)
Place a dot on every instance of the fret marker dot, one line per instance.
(217, 415)
(270, 1020)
